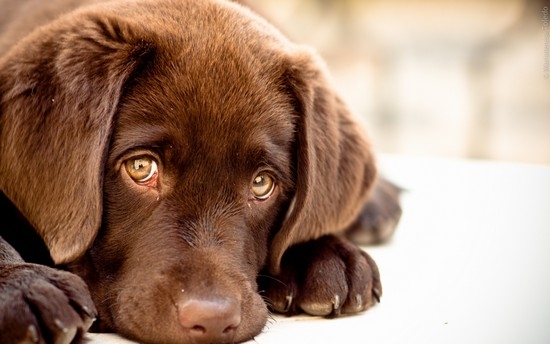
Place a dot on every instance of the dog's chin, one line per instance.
(166, 329)
(137, 312)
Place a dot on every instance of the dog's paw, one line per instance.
(39, 304)
(327, 277)
(379, 217)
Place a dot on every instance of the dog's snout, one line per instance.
(211, 320)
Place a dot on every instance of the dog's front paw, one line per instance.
(39, 304)
(328, 277)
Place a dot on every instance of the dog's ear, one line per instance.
(335, 166)
(59, 91)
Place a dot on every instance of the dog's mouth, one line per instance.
(197, 320)
(214, 307)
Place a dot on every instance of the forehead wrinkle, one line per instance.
(269, 150)
(201, 117)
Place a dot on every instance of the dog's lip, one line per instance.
(252, 316)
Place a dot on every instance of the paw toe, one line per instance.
(43, 305)
(323, 308)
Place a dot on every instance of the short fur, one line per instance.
(215, 95)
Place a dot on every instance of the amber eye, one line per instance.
(141, 169)
(262, 186)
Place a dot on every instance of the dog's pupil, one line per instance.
(139, 168)
(140, 164)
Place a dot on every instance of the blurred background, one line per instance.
(455, 78)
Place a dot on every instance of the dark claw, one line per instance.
(376, 294)
(88, 312)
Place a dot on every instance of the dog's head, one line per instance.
(171, 153)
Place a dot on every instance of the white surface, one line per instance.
(469, 263)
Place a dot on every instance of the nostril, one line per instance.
(212, 319)
(198, 329)
(229, 329)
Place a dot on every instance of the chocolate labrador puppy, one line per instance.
(172, 168)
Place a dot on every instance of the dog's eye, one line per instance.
(262, 186)
(141, 169)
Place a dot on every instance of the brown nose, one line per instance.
(213, 320)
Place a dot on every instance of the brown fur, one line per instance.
(214, 95)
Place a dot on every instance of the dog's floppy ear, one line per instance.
(335, 166)
(59, 91)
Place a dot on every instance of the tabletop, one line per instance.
(469, 262)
